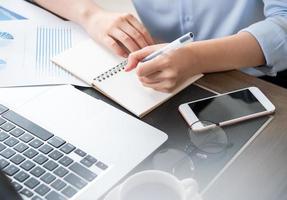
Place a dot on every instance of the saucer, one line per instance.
(114, 194)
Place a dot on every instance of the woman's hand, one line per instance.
(166, 71)
(122, 33)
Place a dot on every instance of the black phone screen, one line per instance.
(227, 107)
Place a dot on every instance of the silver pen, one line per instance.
(171, 46)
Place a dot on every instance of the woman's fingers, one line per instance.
(125, 39)
(114, 46)
(154, 78)
(122, 33)
(152, 66)
(132, 20)
(136, 57)
(164, 86)
(134, 34)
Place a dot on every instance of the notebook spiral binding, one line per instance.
(111, 72)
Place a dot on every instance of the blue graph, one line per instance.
(6, 36)
(50, 42)
(2, 62)
(6, 14)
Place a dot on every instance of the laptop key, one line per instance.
(11, 170)
(48, 178)
(27, 125)
(50, 165)
(7, 126)
(11, 142)
(2, 147)
(26, 137)
(91, 159)
(3, 163)
(36, 198)
(61, 171)
(67, 148)
(2, 121)
(17, 159)
(42, 190)
(86, 162)
(17, 186)
(66, 161)
(56, 155)
(75, 181)
(26, 193)
(80, 152)
(36, 143)
(3, 136)
(101, 165)
(45, 149)
(17, 132)
(56, 141)
(58, 185)
(83, 172)
(27, 165)
(21, 176)
(69, 191)
(21, 147)
(40, 159)
(32, 183)
(7, 153)
(30, 153)
(3, 109)
(54, 196)
(37, 171)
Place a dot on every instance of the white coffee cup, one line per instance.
(155, 185)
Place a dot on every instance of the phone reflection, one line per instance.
(207, 143)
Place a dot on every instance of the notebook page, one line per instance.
(126, 89)
(87, 60)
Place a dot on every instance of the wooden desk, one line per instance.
(260, 172)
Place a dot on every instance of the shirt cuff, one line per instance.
(271, 36)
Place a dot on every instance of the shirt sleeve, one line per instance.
(271, 35)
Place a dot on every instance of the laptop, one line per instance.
(64, 144)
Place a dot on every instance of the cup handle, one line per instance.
(191, 188)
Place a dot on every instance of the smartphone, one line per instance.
(226, 109)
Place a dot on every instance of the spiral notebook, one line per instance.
(99, 68)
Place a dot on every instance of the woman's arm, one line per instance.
(75, 10)
(232, 52)
(166, 71)
(122, 33)
(263, 43)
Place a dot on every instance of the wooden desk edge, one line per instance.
(259, 153)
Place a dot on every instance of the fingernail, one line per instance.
(126, 55)
(127, 68)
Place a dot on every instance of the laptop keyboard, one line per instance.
(41, 165)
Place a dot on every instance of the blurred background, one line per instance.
(117, 5)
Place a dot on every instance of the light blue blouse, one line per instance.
(266, 20)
